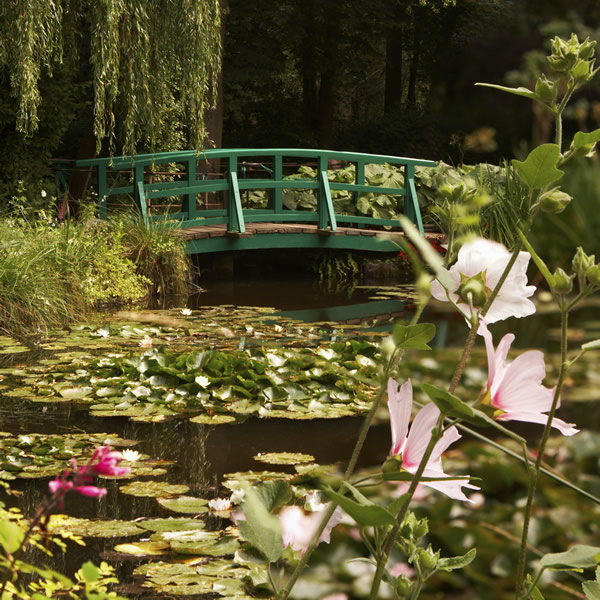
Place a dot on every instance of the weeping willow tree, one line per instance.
(153, 66)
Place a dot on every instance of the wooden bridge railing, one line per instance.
(138, 172)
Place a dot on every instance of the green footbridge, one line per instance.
(239, 199)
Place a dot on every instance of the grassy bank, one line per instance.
(52, 272)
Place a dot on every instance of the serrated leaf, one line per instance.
(261, 528)
(429, 254)
(413, 336)
(449, 404)
(591, 589)
(274, 494)
(577, 557)
(456, 562)
(539, 168)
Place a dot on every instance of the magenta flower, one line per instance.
(298, 527)
(103, 462)
(490, 258)
(107, 462)
(411, 445)
(516, 389)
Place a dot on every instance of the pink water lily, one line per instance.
(516, 389)
(490, 258)
(411, 445)
(298, 527)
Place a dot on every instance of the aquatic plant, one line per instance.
(17, 534)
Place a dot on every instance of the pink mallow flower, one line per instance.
(103, 462)
(490, 258)
(412, 445)
(516, 389)
(298, 527)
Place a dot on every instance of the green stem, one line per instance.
(534, 475)
(388, 545)
(285, 592)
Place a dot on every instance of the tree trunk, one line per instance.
(328, 76)
(393, 71)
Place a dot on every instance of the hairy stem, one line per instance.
(534, 474)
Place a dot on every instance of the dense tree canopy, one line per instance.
(152, 65)
(389, 76)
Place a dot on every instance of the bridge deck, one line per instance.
(210, 238)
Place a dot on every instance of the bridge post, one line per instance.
(189, 200)
(277, 204)
(411, 202)
(324, 202)
(138, 190)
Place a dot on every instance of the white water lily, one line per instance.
(131, 455)
(219, 504)
(489, 259)
(146, 342)
(186, 312)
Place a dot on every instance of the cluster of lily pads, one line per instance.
(212, 382)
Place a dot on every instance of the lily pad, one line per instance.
(185, 504)
(153, 489)
(89, 528)
(144, 548)
(213, 420)
(284, 458)
(170, 524)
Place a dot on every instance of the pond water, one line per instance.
(92, 381)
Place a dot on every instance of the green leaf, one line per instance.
(365, 513)
(593, 345)
(577, 557)
(11, 536)
(456, 562)
(520, 91)
(539, 168)
(535, 593)
(90, 571)
(585, 139)
(261, 528)
(449, 404)
(274, 494)
(429, 254)
(591, 589)
(413, 336)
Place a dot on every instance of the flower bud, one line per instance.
(392, 465)
(546, 89)
(410, 522)
(473, 290)
(554, 201)
(427, 558)
(421, 529)
(593, 275)
(582, 262)
(563, 283)
(403, 585)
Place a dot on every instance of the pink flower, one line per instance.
(411, 445)
(103, 462)
(107, 462)
(516, 389)
(90, 490)
(491, 258)
(299, 527)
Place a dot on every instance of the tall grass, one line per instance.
(158, 253)
(54, 273)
